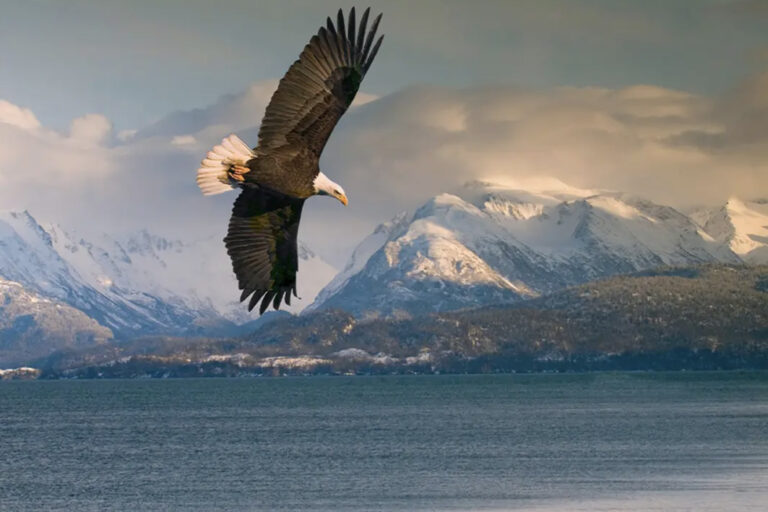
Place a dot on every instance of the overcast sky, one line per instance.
(137, 60)
(666, 99)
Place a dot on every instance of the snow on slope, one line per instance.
(741, 225)
(29, 256)
(197, 273)
(360, 256)
(26, 250)
(32, 326)
(498, 243)
(137, 283)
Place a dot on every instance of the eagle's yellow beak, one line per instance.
(343, 199)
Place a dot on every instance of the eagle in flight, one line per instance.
(282, 171)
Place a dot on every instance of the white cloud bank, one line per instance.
(90, 129)
(17, 116)
(393, 152)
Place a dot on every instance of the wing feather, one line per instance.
(361, 31)
(268, 298)
(261, 241)
(334, 43)
(369, 39)
(319, 87)
(373, 54)
(342, 39)
(351, 35)
(308, 103)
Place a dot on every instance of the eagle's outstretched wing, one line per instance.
(319, 87)
(261, 241)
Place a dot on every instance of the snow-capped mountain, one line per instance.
(740, 225)
(361, 255)
(492, 243)
(140, 283)
(33, 326)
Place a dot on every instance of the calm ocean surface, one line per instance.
(536, 442)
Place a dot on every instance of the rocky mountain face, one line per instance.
(495, 244)
(486, 244)
(742, 226)
(32, 326)
(136, 284)
(360, 256)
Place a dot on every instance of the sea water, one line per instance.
(626, 441)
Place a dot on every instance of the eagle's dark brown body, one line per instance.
(290, 170)
(282, 171)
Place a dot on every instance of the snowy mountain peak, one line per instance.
(17, 216)
(360, 256)
(23, 225)
(146, 243)
(518, 210)
(397, 222)
(446, 204)
(741, 225)
(545, 186)
(521, 200)
(496, 243)
(137, 283)
(33, 326)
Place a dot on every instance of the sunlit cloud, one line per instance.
(394, 152)
(17, 116)
(90, 129)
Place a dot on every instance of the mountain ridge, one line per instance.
(32, 326)
(741, 225)
(498, 243)
(704, 317)
(134, 284)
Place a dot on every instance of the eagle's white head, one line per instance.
(324, 186)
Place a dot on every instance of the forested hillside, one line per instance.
(705, 317)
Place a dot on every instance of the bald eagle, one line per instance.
(282, 171)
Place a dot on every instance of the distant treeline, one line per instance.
(674, 360)
(695, 318)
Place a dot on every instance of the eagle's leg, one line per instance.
(223, 167)
(237, 171)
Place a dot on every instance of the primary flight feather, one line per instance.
(282, 171)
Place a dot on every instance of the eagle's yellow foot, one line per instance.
(236, 172)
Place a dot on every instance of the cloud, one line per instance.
(670, 146)
(232, 112)
(126, 135)
(49, 172)
(362, 98)
(17, 116)
(636, 138)
(393, 152)
(744, 111)
(90, 129)
(183, 140)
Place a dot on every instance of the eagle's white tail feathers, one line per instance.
(213, 175)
